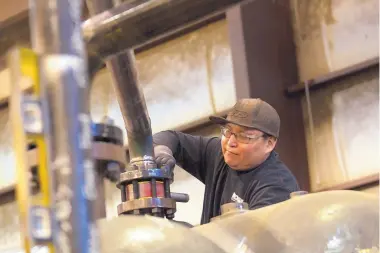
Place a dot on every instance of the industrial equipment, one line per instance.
(332, 221)
(326, 222)
(56, 118)
(145, 188)
(72, 159)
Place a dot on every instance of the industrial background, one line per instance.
(330, 130)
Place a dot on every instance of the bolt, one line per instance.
(170, 216)
(113, 171)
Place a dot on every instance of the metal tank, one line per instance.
(332, 221)
(149, 234)
(326, 222)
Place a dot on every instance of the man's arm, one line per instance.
(193, 153)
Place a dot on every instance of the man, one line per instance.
(241, 166)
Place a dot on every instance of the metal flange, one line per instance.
(128, 176)
(146, 203)
(102, 132)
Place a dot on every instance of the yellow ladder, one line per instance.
(27, 121)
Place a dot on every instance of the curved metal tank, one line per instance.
(328, 222)
(148, 234)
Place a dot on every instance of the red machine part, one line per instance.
(145, 190)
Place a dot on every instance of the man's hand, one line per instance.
(164, 157)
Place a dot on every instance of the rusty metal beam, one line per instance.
(136, 23)
(333, 76)
(150, 27)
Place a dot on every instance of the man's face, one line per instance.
(245, 153)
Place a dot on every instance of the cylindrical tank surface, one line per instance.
(147, 234)
(333, 221)
(327, 222)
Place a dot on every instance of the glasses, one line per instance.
(240, 137)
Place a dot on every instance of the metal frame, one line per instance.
(329, 79)
(321, 81)
(56, 33)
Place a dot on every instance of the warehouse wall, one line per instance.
(329, 36)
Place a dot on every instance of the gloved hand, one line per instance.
(164, 157)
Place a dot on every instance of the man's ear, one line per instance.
(271, 144)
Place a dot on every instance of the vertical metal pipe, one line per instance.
(56, 36)
(98, 205)
(129, 94)
(132, 104)
(127, 90)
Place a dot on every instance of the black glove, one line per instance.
(164, 157)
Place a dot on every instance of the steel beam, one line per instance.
(119, 28)
(132, 24)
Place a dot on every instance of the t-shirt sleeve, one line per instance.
(268, 195)
(195, 154)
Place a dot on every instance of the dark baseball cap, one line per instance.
(252, 113)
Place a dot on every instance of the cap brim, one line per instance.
(218, 120)
(223, 121)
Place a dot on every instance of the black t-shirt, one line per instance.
(269, 183)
